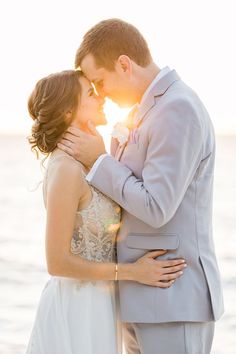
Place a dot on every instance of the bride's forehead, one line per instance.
(85, 82)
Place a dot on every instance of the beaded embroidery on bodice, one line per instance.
(94, 237)
(96, 227)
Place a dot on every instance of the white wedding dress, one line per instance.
(78, 317)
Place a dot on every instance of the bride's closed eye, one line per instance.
(92, 93)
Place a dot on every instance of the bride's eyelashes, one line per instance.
(92, 93)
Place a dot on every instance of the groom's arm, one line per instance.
(113, 148)
(173, 156)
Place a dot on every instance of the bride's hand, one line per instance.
(159, 273)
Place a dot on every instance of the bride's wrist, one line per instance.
(125, 271)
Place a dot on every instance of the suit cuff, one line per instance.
(91, 173)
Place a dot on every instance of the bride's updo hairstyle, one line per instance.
(50, 102)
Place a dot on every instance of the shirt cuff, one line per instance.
(91, 173)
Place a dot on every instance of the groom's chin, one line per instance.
(101, 122)
(124, 104)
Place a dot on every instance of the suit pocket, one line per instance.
(152, 241)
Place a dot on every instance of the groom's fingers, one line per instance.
(70, 137)
(66, 149)
(76, 132)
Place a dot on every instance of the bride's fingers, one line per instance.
(154, 254)
(174, 269)
(163, 285)
(170, 277)
(170, 262)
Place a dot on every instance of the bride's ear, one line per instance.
(124, 64)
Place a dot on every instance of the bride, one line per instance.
(77, 310)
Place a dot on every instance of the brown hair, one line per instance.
(109, 39)
(48, 104)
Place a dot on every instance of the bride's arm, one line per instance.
(65, 188)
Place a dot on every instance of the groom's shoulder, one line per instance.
(179, 104)
(178, 97)
(180, 91)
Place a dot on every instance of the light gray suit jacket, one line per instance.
(164, 184)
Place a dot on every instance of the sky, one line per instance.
(197, 38)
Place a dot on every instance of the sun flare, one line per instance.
(113, 114)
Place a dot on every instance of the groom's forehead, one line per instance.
(93, 79)
(90, 69)
(88, 65)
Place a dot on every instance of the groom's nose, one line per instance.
(100, 92)
(101, 99)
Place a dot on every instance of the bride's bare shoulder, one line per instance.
(66, 166)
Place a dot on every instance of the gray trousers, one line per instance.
(168, 338)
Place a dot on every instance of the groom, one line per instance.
(163, 178)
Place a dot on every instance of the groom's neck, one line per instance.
(145, 76)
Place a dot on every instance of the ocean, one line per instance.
(22, 259)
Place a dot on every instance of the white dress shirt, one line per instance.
(159, 76)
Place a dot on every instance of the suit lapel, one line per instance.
(158, 90)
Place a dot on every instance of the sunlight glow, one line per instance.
(113, 114)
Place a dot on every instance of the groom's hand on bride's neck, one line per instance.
(85, 147)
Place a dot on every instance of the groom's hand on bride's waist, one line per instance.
(85, 147)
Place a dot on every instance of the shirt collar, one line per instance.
(159, 76)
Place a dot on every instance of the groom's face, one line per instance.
(112, 84)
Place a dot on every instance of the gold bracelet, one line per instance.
(116, 272)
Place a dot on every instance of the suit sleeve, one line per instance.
(173, 156)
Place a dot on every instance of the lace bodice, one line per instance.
(95, 228)
(95, 231)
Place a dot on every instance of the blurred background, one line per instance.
(40, 37)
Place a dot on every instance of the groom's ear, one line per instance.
(124, 64)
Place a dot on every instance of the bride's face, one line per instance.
(90, 106)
